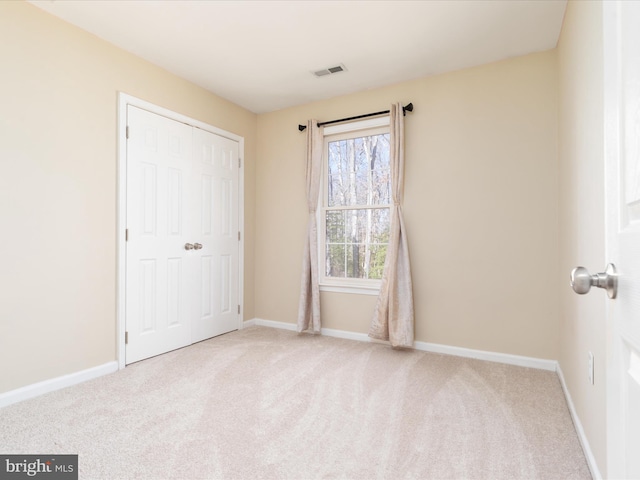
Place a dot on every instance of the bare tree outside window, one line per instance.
(357, 207)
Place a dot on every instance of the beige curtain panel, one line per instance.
(393, 317)
(309, 307)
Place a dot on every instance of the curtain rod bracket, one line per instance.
(408, 108)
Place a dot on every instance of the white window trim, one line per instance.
(355, 126)
(343, 285)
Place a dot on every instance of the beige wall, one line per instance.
(481, 201)
(582, 220)
(58, 110)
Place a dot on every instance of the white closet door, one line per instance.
(158, 298)
(182, 252)
(216, 228)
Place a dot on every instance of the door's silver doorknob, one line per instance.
(582, 280)
(188, 246)
(197, 246)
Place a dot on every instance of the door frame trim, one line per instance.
(124, 100)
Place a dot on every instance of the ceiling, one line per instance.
(261, 54)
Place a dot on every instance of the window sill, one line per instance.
(358, 290)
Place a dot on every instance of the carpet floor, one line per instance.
(263, 403)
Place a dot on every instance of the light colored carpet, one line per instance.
(266, 403)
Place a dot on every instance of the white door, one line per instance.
(182, 204)
(216, 228)
(622, 141)
(159, 153)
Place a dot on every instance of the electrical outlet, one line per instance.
(590, 367)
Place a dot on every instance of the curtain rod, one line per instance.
(408, 108)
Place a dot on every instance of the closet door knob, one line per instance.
(197, 246)
(188, 246)
(582, 280)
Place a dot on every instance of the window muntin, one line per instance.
(355, 208)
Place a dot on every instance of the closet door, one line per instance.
(158, 298)
(182, 249)
(216, 229)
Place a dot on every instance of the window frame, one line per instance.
(363, 286)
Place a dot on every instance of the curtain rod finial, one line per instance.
(302, 128)
(408, 108)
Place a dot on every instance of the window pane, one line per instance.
(338, 173)
(356, 242)
(358, 171)
(335, 226)
(335, 262)
(378, 255)
(380, 225)
(381, 187)
(353, 270)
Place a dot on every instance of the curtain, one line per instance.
(309, 307)
(393, 316)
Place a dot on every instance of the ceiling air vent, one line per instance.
(330, 70)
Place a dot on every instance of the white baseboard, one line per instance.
(509, 359)
(248, 323)
(273, 324)
(591, 461)
(530, 362)
(53, 384)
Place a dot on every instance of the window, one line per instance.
(354, 207)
